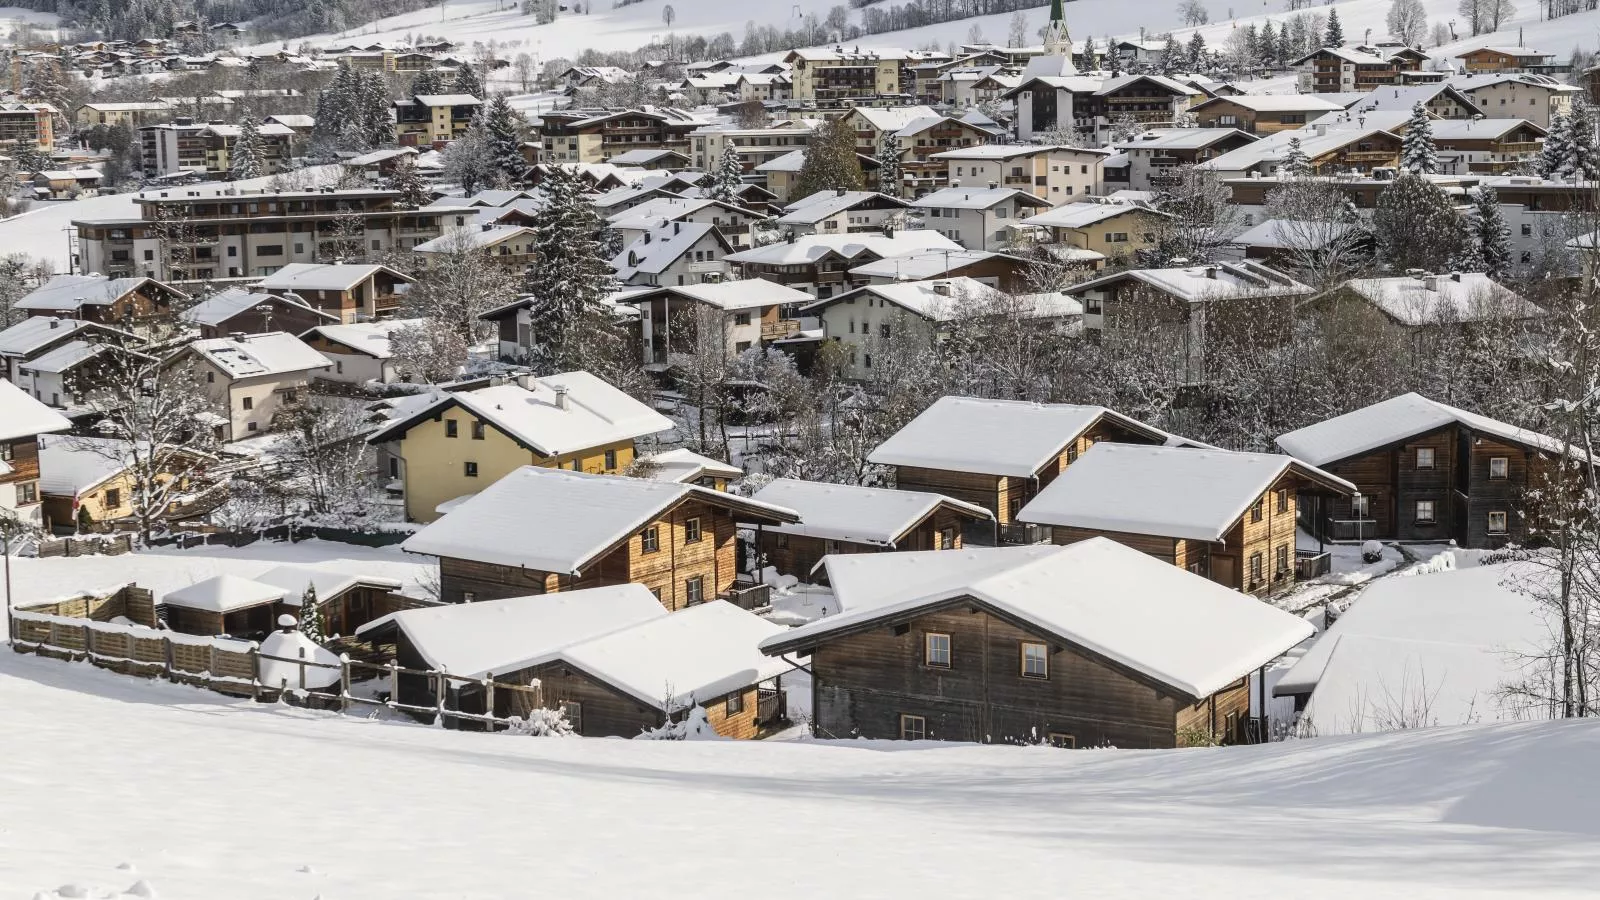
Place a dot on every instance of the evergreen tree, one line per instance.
(729, 176)
(427, 82)
(570, 283)
(373, 108)
(1493, 234)
(1417, 153)
(1583, 157)
(1557, 147)
(1288, 50)
(247, 159)
(1335, 35)
(311, 616)
(830, 162)
(503, 132)
(1415, 225)
(1469, 252)
(469, 160)
(408, 181)
(1172, 57)
(890, 174)
(1267, 46)
(1296, 163)
(467, 82)
(1197, 53)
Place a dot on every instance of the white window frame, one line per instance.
(1042, 657)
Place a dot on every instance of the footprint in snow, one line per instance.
(141, 888)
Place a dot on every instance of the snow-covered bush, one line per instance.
(1372, 551)
(694, 727)
(542, 723)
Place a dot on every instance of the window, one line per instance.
(1063, 741)
(741, 318)
(650, 540)
(270, 250)
(884, 330)
(470, 469)
(233, 251)
(477, 430)
(27, 492)
(248, 403)
(735, 704)
(1257, 509)
(1282, 567)
(1116, 237)
(251, 426)
(8, 452)
(573, 710)
(1360, 506)
(289, 396)
(1256, 566)
(451, 429)
(113, 498)
(211, 378)
(1499, 467)
(611, 459)
(936, 650)
(1283, 500)
(469, 596)
(394, 467)
(691, 530)
(947, 538)
(1497, 523)
(1424, 511)
(1072, 454)
(694, 590)
(913, 728)
(781, 541)
(1527, 230)
(1424, 457)
(1035, 660)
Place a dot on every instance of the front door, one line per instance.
(1225, 570)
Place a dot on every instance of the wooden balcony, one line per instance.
(772, 331)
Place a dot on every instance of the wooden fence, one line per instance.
(233, 667)
(90, 545)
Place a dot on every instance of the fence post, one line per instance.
(344, 682)
(88, 643)
(302, 668)
(255, 671)
(166, 662)
(488, 698)
(440, 686)
(211, 663)
(394, 683)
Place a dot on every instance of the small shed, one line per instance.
(225, 604)
(346, 601)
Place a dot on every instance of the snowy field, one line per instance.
(112, 784)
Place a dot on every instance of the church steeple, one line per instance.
(1057, 42)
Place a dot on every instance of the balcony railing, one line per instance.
(748, 595)
(1309, 565)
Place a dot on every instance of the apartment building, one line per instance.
(756, 146)
(433, 119)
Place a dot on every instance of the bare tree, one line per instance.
(462, 281)
(324, 446)
(1193, 12)
(1407, 21)
(428, 351)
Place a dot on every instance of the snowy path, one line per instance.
(207, 798)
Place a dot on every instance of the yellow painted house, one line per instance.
(460, 443)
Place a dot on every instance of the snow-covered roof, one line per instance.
(940, 299)
(809, 248)
(323, 276)
(1392, 421)
(585, 515)
(257, 355)
(1443, 299)
(1446, 642)
(1508, 51)
(1292, 234)
(653, 212)
(367, 338)
(643, 157)
(700, 653)
(860, 515)
(893, 118)
(75, 291)
(1316, 143)
(474, 239)
(1478, 129)
(792, 161)
(34, 332)
(747, 293)
(270, 129)
(1200, 284)
(228, 303)
(474, 640)
(1478, 80)
(378, 156)
(658, 248)
(69, 356)
(595, 413)
(1275, 102)
(1176, 492)
(224, 594)
(328, 582)
(1179, 139)
(813, 209)
(69, 466)
(922, 265)
(994, 437)
(22, 416)
(1162, 622)
(684, 465)
(1010, 151)
(976, 198)
(448, 100)
(1082, 215)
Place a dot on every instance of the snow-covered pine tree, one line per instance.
(502, 129)
(1557, 147)
(408, 181)
(336, 110)
(1583, 156)
(1266, 45)
(572, 278)
(311, 616)
(1335, 34)
(889, 171)
(467, 82)
(429, 81)
(1417, 152)
(1296, 164)
(1469, 252)
(1415, 225)
(729, 175)
(830, 162)
(247, 159)
(1197, 53)
(377, 129)
(1493, 234)
(469, 160)
(1172, 56)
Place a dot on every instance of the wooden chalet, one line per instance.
(1423, 471)
(847, 518)
(349, 291)
(38, 336)
(753, 313)
(608, 657)
(133, 304)
(539, 531)
(998, 454)
(22, 420)
(1503, 59)
(1089, 645)
(1410, 309)
(235, 310)
(684, 466)
(1263, 113)
(1227, 516)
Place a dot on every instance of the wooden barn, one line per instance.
(1227, 516)
(847, 518)
(1424, 471)
(539, 531)
(241, 607)
(608, 657)
(998, 454)
(1089, 645)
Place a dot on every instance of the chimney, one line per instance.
(790, 236)
(561, 396)
(54, 323)
(647, 237)
(1322, 130)
(955, 182)
(236, 336)
(677, 227)
(942, 288)
(525, 381)
(1211, 272)
(993, 185)
(1456, 277)
(1431, 282)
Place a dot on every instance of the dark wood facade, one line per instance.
(1475, 500)
(798, 555)
(285, 316)
(867, 681)
(21, 456)
(670, 571)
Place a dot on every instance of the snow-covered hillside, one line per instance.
(109, 782)
(632, 26)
